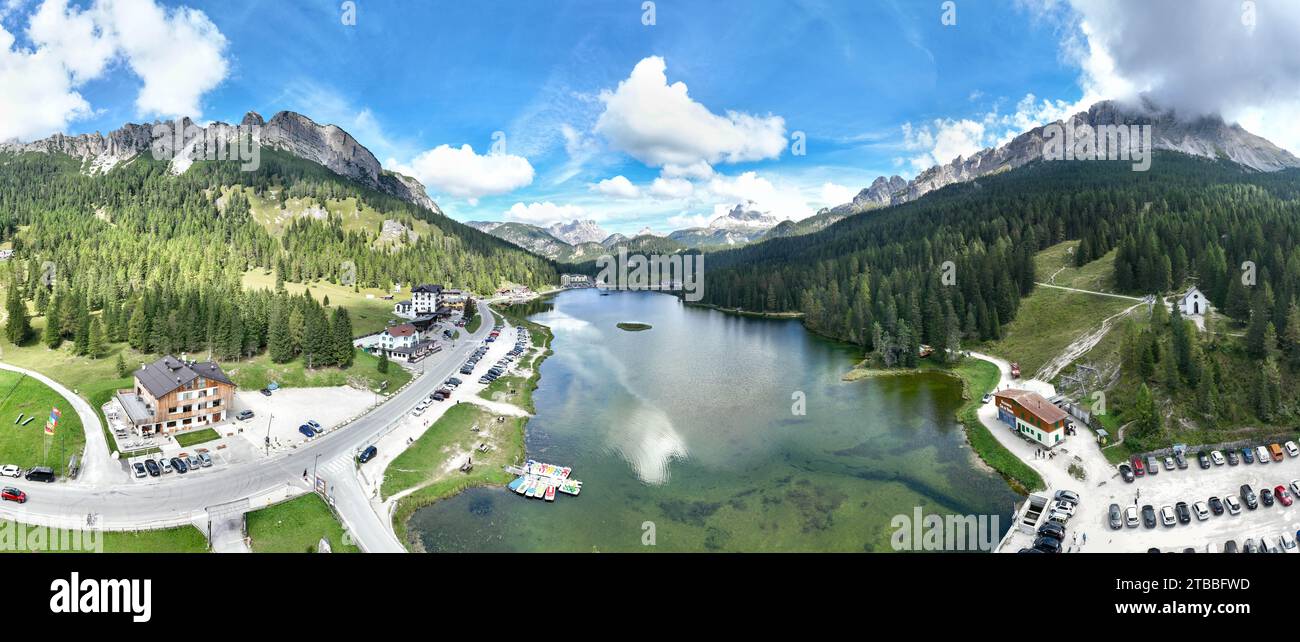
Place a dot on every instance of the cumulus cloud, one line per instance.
(462, 173)
(670, 188)
(660, 124)
(546, 213)
(178, 54)
(782, 201)
(942, 140)
(618, 187)
(834, 194)
(1235, 59)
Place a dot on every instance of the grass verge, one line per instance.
(185, 440)
(297, 526)
(978, 379)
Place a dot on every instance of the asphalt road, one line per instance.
(185, 499)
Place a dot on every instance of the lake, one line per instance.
(688, 437)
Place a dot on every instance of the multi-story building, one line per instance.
(1031, 415)
(174, 395)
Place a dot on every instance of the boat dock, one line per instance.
(538, 480)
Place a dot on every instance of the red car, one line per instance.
(1138, 468)
(13, 495)
(1283, 496)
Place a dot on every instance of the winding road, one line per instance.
(124, 505)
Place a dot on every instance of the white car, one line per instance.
(1295, 483)
(1167, 516)
(1234, 506)
(1287, 542)
(1218, 459)
(1131, 516)
(11, 471)
(1261, 455)
(140, 472)
(1064, 507)
(1292, 449)
(1202, 511)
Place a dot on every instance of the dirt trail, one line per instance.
(1079, 347)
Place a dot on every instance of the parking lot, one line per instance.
(1192, 484)
(288, 408)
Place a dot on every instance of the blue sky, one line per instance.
(576, 92)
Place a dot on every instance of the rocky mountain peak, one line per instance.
(577, 231)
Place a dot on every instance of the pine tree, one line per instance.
(341, 326)
(50, 336)
(279, 340)
(138, 327)
(95, 343)
(122, 370)
(382, 367)
(81, 337)
(17, 326)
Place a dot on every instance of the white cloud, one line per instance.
(670, 188)
(783, 201)
(696, 171)
(1235, 59)
(546, 213)
(462, 173)
(179, 54)
(834, 194)
(618, 187)
(942, 140)
(682, 221)
(659, 124)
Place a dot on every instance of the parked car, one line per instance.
(244, 415)
(367, 454)
(1202, 511)
(1139, 468)
(1233, 458)
(139, 470)
(1230, 546)
(1217, 458)
(179, 465)
(309, 433)
(194, 462)
(1203, 458)
(1116, 517)
(1295, 484)
(1184, 515)
(205, 459)
(165, 464)
(1167, 516)
(1248, 497)
(1152, 466)
(985, 399)
(152, 467)
(1250, 546)
(1233, 506)
(1248, 455)
(1266, 496)
(265, 392)
(1261, 455)
(1048, 544)
(1149, 516)
(1283, 496)
(1131, 517)
(1052, 529)
(1169, 463)
(1067, 496)
(1292, 449)
(1180, 459)
(1216, 505)
(11, 471)
(1287, 541)
(1064, 507)
(12, 494)
(1126, 472)
(315, 425)
(40, 474)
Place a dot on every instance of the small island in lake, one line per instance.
(633, 326)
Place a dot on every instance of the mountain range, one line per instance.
(327, 145)
(1205, 136)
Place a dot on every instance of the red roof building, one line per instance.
(1031, 415)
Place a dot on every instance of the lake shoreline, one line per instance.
(423, 497)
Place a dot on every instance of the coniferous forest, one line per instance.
(160, 257)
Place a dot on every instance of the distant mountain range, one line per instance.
(1207, 136)
(579, 241)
